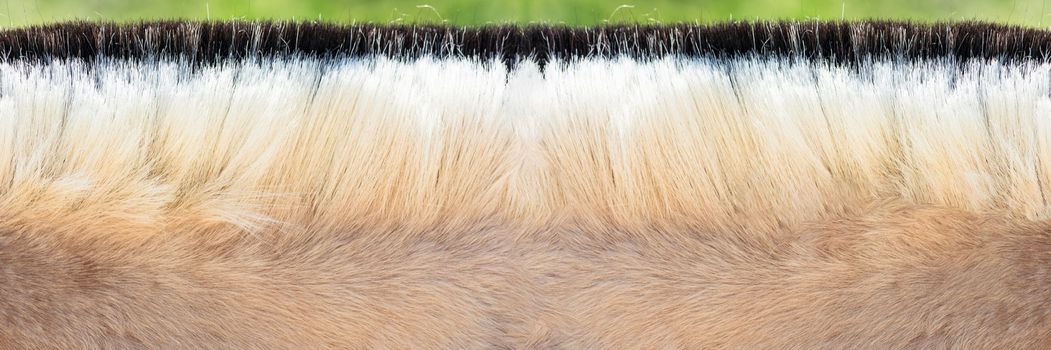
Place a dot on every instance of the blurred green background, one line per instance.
(25, 12)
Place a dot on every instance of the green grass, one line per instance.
(25, 12)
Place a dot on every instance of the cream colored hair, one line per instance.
(597, 203)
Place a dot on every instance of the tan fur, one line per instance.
(601, 204)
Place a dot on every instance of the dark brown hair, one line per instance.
(210, 42)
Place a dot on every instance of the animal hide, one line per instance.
(738, 185)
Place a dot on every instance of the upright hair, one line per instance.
(736, 185)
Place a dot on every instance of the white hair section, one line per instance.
(128, 147)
